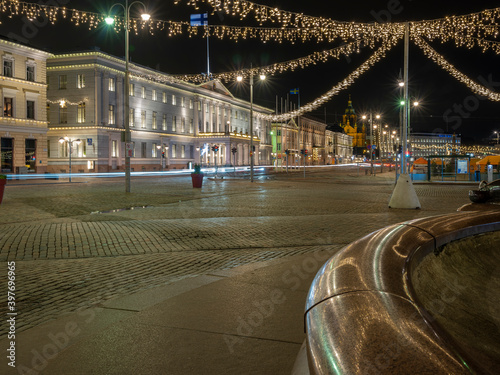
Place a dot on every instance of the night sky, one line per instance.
(377, 90)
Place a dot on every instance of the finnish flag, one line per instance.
(199, 19)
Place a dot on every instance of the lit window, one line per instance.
(164, 99)
(191, 104)
(131, 119)
(153, 95)
(111, 114)
(114, 149)
(154, 120)
(164, 122)
(183, 104)
(183, 151)
(80, 81)
(8, 107)
(143, 119)
(183, 125)
(143, 92)
(80, 118)
(174, 100)
(154, 151)
(191, 128)
(174, 151)
(174, 123)
(131, 89)
(112, 85)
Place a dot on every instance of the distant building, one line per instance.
(172, 123)
(351, 128)
(23, 125)
(425, 144)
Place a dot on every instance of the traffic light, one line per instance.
(215, 148)
(400, 149)
(234, 150)
(287, 152)
(163, 154)
(305, 151)
(302, 152)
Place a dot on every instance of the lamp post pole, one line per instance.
(251, 124)
(70, 147)
(126, 125)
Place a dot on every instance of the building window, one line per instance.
(8, 107)
(80, 116)
(48, 112)
(112, 84)
(143, 149)
(164, 122)
(174, 100)
(153, 96)
(63, 82)
(8, 67)
(199, 106)
(183, 151)
(164, 99)
(114, 149)
(30, 109)
(206, 107)
(63, 115)
(183, 125)
(80, 81)
(155, 115)
(236, 114)
(191, 127)
(30, 73)
(174, 123)
(183, 102)
(174, 151)
(143, 119)
(131, 89)
(131, 119)
(111, 114)
(154, 151)
(143, 92)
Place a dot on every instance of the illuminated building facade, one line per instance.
(23, 125)
(351, 128)
(173, 124)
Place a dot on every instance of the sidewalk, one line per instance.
(211, 281)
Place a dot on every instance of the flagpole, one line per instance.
(208, 50)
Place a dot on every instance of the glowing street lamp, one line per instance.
(70, 147)
(110, 20)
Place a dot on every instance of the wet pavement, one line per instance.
(80, 252)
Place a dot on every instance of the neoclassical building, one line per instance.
(351, 128)
(23, 123)
(173, 123)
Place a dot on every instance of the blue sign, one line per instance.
(89, 141)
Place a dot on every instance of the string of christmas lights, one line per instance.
(441, 61)
(324, 28)
(463, 29)
(64, 102)
(278, 68)
(344, 84)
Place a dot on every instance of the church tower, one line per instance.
(350, 126)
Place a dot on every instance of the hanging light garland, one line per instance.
(278, 68)
(441, 61)
(344, 84)
(65, 102)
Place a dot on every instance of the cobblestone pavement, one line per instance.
(80, 244)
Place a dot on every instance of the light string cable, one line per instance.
(35, 10)
(463, 29)
(278, 68)
(344, 84)
(297, 23)
(441, 61)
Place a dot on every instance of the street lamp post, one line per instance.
(70, 147)
(128, 138)
(498, 134)
(239, 79)
(161, 157)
